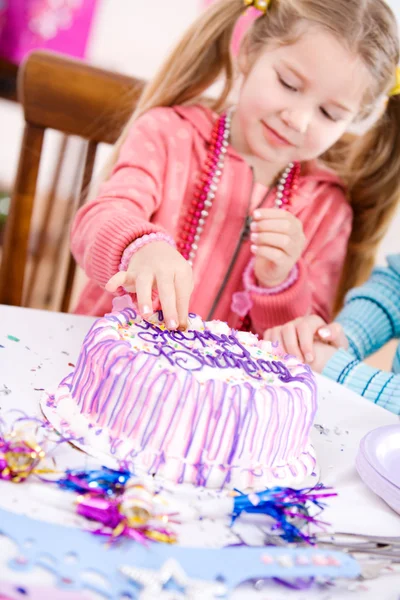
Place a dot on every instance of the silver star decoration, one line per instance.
(153, 583)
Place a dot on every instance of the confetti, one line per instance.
(322, 430)
(13, 338)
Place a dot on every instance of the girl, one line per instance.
(256, 182)
(370, 318)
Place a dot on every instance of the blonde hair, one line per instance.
(369, 164)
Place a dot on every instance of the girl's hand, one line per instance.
(158, 266)
(278, 242)
(322, 354)
(298, 337)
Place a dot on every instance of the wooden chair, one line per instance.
(76, 99)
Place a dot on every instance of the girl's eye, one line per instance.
(287, 85)
(328, 115)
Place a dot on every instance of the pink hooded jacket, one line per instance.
(150, 190)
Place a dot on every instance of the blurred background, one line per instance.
(128, 36)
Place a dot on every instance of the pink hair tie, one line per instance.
(250, 282)
(139, 243)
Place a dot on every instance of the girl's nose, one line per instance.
(297, 119)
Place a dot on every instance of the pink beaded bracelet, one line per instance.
(242, 302)
(250, 282)
(139, 243)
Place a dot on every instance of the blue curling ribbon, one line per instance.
(102, 480)
(283, 505)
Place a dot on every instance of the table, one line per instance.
(37, 349)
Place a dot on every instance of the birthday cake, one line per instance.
(208, 406)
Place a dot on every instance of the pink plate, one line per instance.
(381, 448)
(378, 484)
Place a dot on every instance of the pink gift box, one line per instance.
(59, 25)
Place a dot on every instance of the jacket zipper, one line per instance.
(244, 234)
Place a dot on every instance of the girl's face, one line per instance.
(298, 100)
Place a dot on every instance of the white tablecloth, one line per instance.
(48, 342)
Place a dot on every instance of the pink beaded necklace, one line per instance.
(206, 188)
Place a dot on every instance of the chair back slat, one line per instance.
(86, 179)
(16, 237)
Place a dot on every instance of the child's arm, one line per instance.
(121, 212)
(110, 233)
(298, 338)
(379, 387)
(371, 316)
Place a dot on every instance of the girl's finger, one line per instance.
(306, 329)
(290, 340)
(275, 255)
(121, 279)
(274, 335)
(271, 225)
(333, 334)
(270, 213)
(144, 284)
(276, 240)
(183, 290)
(339, 338)
(130, 282)
(166, 293)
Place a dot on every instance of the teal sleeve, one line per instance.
(380, 387)
(371, 315)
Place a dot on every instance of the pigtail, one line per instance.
(373, 176)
